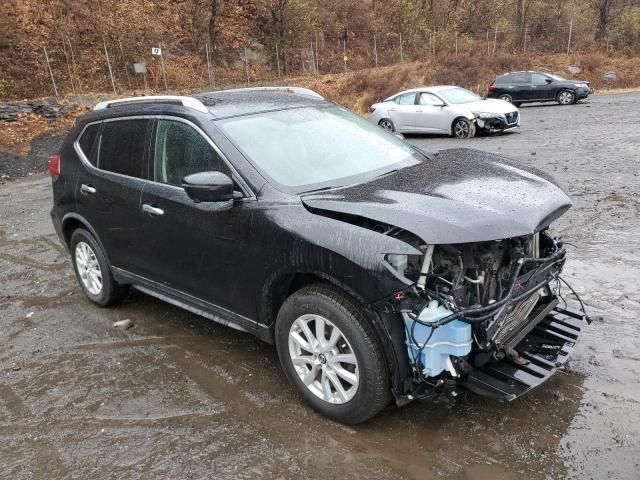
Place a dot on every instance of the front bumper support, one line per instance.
(546, 348)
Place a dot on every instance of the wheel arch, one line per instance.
(71, 222)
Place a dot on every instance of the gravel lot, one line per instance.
(176, 396)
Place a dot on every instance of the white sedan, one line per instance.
(444, 109)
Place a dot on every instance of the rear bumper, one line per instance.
(546, 348)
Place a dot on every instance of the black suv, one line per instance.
(379, 271)
(526, 87)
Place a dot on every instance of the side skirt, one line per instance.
(193, 304)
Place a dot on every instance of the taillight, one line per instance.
(54, 165)
(492, 87)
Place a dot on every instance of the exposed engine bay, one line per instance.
(475, 306)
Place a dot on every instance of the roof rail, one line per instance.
(296, 90)
(189, 102)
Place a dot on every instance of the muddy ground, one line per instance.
(176, 396)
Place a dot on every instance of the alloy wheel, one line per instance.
(88, 268)
(565, 98)
(506, 98)
(461, 129)
(323, 359)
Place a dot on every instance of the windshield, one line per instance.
(309, 148)
(555, 77)
(458, 95)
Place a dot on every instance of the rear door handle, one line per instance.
(151, 210)
(87, 189)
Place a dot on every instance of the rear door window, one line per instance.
(87, 141)
(406, 99)
(521, 78)
(181, 151)
(122, 147)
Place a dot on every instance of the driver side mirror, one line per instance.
(548, 80)
(209, 187)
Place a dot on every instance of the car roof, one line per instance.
(247, 101)
(220, 104)
(434, 88)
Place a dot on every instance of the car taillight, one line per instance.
(54, 165)
(492, 87)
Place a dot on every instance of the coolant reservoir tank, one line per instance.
(433, 347)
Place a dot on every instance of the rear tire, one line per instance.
(387, 124)
(306, 324)
(93, 271)
(517, 104)
(506, 98)
(463, 128)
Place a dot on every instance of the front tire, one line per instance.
(93, 271)
(566, 97)
(330, 352)
(387, 124)
(463, 128)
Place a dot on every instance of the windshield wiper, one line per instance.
(315, 190)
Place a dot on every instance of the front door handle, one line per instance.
(87, 189)
(151, 210)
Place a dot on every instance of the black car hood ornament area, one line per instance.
(457, 196)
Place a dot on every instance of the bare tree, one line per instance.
(603, 8)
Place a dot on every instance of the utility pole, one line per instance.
(401, 52)
(495, 39)
(278, 61)
(569, 40)
(246, 63)
(456, 34)
(206, 47)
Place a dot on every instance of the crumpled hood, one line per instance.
(458, 196)
(490, 105)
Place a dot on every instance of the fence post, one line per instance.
(569, 40)
(106, 53)
(278, 60)
(246, 63)
(317, 58)
(164, 73)
(401, 52)
(344, 54)
(488, 44)
(206, 48)
(124, 63)
(55, 88)
(495, 40)
(375, 49)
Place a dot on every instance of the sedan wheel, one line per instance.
(463, 128)
(506, 98)
(566, 97)
(323, 359)
(387, 125)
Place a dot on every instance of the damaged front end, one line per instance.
(484, 316)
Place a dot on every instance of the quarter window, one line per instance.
(87, 139)
(181, 151)
(122, 146)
